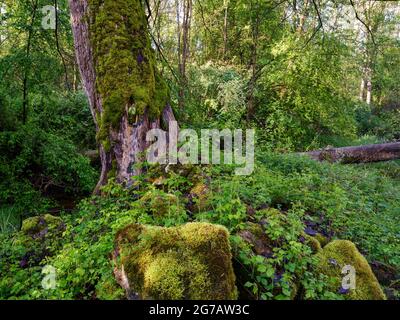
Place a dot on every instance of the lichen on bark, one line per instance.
(126, 75)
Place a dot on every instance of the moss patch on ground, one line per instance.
(163, 207)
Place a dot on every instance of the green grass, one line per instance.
(9, 220)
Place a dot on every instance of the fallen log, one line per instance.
(358, 154)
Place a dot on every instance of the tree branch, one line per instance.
(320, 23)
(365, 25)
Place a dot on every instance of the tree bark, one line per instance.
(369, 92)
(125, 142)
(359, 154)
(362, 89)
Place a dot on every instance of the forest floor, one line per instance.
(297, 204)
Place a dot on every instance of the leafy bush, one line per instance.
(34, 163)
(384, 125)
(302, 102)
(218, 92)
(67, 116)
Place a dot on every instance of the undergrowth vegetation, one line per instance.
(267, 65)
(288, 199)
(41, 162)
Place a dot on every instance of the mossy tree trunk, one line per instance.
(126, 94)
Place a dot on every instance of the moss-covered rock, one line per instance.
(193, 174)
(340, 253)
(42, 225)
(199, 198)
(159, 203)
(322, 239)
(270, 212)
(256, 237)
(40, 237)
(191, 262)
(162, 206)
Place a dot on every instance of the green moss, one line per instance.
(337, 254)
(108, 289)
(35, 225)
(126, 75)
(199, 195)
(192, 261)
(159, 203)
(313, 243)
(256, 229)
(322, 240)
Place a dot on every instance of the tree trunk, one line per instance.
(178, 33)
(254, 66)
(27, 65)
(360, 154)
(369, 92)
(184, 46)
(127, 96)
(362, 89)
(226, 5)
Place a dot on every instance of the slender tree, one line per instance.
(183, 33)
